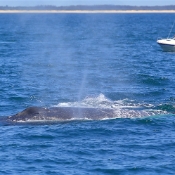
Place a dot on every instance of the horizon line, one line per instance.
(87, 5)
(88, 11)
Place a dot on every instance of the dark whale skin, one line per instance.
(60, 114)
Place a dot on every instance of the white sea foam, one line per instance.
(122, 108)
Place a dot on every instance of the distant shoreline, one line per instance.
(87, 11)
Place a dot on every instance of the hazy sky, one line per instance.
(84, 2)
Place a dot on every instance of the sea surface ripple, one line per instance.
(88, 60)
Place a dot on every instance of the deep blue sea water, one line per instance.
(89, 60)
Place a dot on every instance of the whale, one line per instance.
(61, 114)
(53, 114)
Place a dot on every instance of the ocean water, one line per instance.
(88, 60)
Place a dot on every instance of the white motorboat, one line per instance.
(168, 45)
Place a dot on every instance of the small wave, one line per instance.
(122, 108)
(99, 101)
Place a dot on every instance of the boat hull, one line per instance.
(167, 48)
(167, 45)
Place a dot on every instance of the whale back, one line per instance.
(60, 114)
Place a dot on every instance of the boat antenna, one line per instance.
(171, 30)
